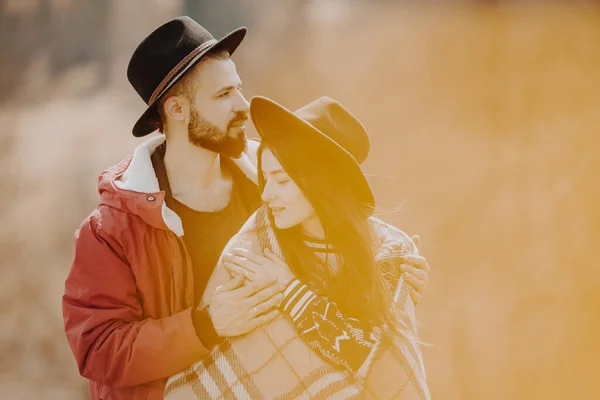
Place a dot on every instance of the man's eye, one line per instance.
(223, 95)
(281, 182)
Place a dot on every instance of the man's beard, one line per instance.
(203, 133)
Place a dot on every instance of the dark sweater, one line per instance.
(207, 233)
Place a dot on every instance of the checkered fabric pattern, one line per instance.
(273, 361)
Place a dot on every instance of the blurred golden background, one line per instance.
(483, 117)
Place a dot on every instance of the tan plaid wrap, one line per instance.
(273, 362)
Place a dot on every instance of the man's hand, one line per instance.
(416, 271)
(236, 309)
(256, 267)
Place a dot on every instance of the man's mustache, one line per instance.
(240, 117)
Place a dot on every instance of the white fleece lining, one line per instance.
(140, 176)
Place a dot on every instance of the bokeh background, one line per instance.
(484, 119)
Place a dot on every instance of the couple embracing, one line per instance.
(219, 267)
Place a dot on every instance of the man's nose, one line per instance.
(241, 105)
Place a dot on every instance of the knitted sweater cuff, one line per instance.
(205, 330)
(297, 298)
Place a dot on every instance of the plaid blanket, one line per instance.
(273, 362)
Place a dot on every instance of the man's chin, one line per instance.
(231, 145)
(235, 148)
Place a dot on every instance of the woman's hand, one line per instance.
(416, 269)
(256, 267)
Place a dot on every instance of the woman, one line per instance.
(347, 327)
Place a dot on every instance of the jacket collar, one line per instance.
(140, 177)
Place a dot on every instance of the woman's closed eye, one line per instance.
(279, 178)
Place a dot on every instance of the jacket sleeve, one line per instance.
(340, 339)
(112, 342)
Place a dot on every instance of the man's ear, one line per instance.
(175, 108)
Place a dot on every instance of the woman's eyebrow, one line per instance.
(277, 171)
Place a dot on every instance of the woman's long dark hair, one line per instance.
(358, 287)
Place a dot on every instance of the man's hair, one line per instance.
(185, 86)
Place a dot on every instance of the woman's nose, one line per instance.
(267, 194)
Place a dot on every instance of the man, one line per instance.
(144, 255)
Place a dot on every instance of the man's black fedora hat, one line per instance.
(165, 55)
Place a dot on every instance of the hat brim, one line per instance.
(146, 124)
(272, 119)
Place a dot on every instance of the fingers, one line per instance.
(417, 240)
(231, 284)
(417, 284)
(256, 287)
(250, 255)
(416, 272)
(265, 306)
(417, 261)
(263, 319)
(415, 296)
(267, 294)
(237, 270)
(240, 261)
(231, 273)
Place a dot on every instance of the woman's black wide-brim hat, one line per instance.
(327, 125)
(165, 55)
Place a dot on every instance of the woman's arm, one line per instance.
(342, 340)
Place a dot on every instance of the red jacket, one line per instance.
(127, 305)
